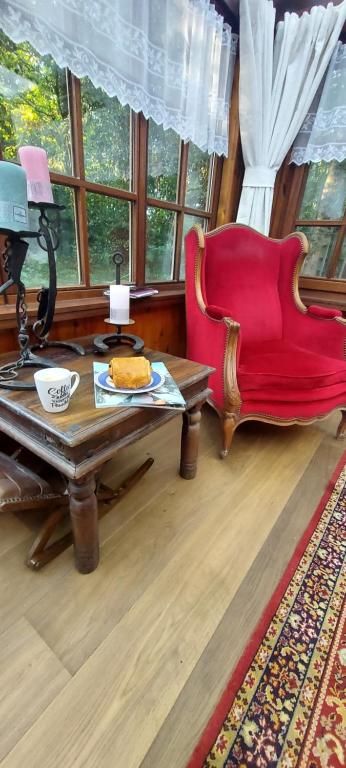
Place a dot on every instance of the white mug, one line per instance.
(54, 387)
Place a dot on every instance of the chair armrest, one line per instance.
(324, 313)
(325, 338)
(213, 338)
(216, 342)
(300, 323)
(217, 313)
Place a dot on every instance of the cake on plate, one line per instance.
(130, 372)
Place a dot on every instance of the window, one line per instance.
(179, 186)
(124, 181)
(322, 217)
(35, 271)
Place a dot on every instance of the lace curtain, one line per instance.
(279, 75)
(323, 133)
(171, 59)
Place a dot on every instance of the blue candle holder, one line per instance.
(13, 199)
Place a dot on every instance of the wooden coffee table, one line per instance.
(80, 440)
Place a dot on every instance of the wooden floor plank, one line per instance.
(193, 708)
(130, 559)
(30, 678)
(138, 551)
(30, 587)
(112, 709)
(12, 532)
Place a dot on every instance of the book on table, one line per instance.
(139, 291)
(166, 395)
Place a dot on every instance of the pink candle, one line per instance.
(34, 161)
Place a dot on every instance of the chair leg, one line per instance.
(107, 495)
(228, 428)
(41, 552)
(341, 431)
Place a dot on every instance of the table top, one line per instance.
(82, 420)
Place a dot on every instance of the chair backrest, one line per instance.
(241, 274)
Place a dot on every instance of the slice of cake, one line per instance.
(130, 372)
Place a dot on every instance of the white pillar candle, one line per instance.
(119, 304)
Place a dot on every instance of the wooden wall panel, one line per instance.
(160, 323)
(288, 193)
(233, 166)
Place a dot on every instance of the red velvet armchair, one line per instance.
(276, 360)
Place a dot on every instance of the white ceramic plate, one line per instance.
(105, 382)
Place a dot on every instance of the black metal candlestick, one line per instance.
(14, 257)
(48, 240)
(103, 342)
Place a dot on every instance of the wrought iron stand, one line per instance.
(14, 257)
(103, 342)
(48, 240)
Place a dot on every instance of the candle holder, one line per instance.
(48, 240)
(103, 342)
(14, 257)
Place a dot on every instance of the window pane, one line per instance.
(109, 226)
(35, 271)
(189, 221)
(341, 268)
(160, 244)
(322, 242)
(33, 104)
(163, 162)
(198, 181)
(325, 191)
(106, 136)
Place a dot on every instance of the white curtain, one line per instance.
(323, 133)
(171, 59)
(279, 78)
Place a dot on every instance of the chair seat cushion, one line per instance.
(21, 488)
(285, 366)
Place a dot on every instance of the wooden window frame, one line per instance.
(288, 196)
(137, 197)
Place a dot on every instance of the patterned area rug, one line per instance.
(285, 705)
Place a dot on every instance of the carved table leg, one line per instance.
(341, 431)
(190, 442)
(84, 521)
